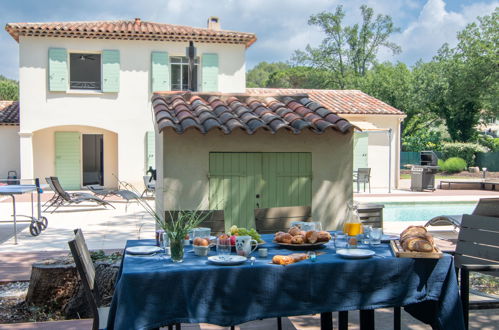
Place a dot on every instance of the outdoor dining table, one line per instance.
(152, 291)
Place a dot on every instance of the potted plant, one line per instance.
(176, 227)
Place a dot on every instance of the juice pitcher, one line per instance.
(353, 226)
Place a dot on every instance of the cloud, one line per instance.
(435, 26)
(280, 25)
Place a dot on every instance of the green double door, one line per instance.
(241, 182)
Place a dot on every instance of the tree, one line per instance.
(9, 89)
(461, 84)
(348, 51)
(300, 77)
(259, 75)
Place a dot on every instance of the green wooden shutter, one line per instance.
(361, 142)
(67, 159)
(235, 179)
(287, 179)
(58, 70)
(209, 73)
(160, 71)
(150, 150)
(111, 71)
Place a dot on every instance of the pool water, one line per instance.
(424, 211)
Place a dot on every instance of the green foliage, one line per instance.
(453, 165)
(440, 162)
(488, 142)
(348, 51)
(260, 74)
(422, 140)
(466, 151)
(9, 89)
(300, 77)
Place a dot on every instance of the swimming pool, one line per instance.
(424, 211)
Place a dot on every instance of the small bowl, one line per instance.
(201, 251)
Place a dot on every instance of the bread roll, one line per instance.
(417, 244)
(293, 231)
(286, 238)
(311, 236)
(298, 239)
(279, 233)
(323, 236)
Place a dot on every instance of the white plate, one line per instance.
(355, 253)
(227, 260)
(143, 249)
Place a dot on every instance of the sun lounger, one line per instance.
(487, 207)
(65, 198)
(484, 185)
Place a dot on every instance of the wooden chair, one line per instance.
(362, 175)
(477, 250)
(274, 219)
(86, 270)
(215, 220)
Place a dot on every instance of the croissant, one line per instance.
(282, 260)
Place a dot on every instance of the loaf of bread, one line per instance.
(417, 239)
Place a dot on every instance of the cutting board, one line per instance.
(399, 252)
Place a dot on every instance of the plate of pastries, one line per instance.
(298, 239)
(415, 242)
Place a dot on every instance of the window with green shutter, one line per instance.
(209, 64)
(111, 71)
(160, 71)
(58, 70)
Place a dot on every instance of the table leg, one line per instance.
(343, 320)
(15, 217)
(326, 321)
(367, 319)
(397, 318)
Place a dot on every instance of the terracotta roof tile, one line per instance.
(128, 30)
(227, 113)
(337, 101)
(9, 113)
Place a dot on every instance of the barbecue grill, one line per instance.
(423, 175)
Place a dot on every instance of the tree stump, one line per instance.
(52, 284)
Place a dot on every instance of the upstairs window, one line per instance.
(179, 73)
(85, 71)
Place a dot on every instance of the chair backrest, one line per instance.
(364, 173)
(58, 188)
(478, 242)
(86, 270)
(51, 185)
(274, 219)
(214, 220)
(487, 207)
(371, 214)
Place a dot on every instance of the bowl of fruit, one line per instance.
(239, 231)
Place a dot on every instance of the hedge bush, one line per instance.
(466, 151)
(453, 165)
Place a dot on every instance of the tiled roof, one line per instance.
(228, 112)
(9, 113)
(339, 101)
(128, 30)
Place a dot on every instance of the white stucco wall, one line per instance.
(186, 166)
(9, 150)
(378, 149)
(127, 113)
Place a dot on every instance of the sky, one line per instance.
(280, 25)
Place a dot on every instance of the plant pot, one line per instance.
(177, 249)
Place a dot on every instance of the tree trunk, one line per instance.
(51, 285)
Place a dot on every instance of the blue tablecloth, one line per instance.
(153, 292)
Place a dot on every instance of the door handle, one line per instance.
(257, 204)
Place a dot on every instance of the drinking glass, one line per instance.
(375, 236)
(164, 243)
(367, 231)
(223, 247)
(340, 240)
